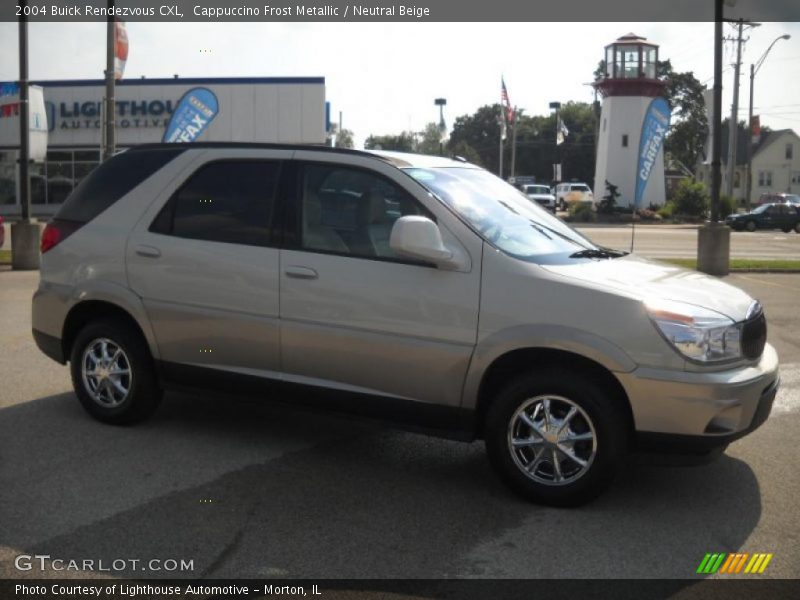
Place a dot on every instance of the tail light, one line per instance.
(57, 231)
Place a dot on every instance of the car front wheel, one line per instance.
(112, 373)
(557, 437)
(750, 226)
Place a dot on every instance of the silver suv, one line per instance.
(417, 288)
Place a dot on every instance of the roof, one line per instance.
(398, 159)
(770, 137)
(407, 159)
(741, 143)
(183, 81)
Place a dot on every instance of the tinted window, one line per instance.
(351, 211)
(225, 201)
(111, 180)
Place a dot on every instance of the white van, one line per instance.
(569, 193)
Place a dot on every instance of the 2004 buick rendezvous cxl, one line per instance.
(417, 288)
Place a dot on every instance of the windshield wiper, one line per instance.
(598, 253)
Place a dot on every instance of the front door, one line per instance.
(358, 318)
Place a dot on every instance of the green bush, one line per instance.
(667, 210)
(727, 206)
(581, 212)
(690, 199)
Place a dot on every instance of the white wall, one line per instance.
(623, 115)
(248, 112)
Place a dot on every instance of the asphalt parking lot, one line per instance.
(248, 489)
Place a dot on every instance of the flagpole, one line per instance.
(502, 124)
(514, 144)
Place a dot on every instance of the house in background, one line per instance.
(776, 165)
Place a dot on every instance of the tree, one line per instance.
(536, 145)
(687, 136)
(399, 143)
(344, 138)
(480, 132)
(431, 140)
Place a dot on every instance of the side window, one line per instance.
(351, 211)
(225, 201)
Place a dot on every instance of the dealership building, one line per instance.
(264, 109)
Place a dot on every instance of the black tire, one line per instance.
(603, 414)
(143, 392)
(797, 227)
(751, 226)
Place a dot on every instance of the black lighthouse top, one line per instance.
(630, 68)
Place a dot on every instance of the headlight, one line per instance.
(698, 333)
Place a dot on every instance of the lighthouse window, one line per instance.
(624, 140)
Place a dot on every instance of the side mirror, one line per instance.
(420, 238)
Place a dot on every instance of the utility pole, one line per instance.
(110, 105)
(714, 238)
(25, 235)
(734, 120)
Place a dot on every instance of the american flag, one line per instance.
(505, 101)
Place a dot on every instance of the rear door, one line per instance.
(205, 263)
(356, 317)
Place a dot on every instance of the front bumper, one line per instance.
(680, 411)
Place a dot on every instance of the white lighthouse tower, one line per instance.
(627, 87)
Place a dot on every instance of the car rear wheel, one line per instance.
(112, 373)
(750, 226)
(557, 437)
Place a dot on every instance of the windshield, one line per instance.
(500, 213)
(538, 189)
(761, 209)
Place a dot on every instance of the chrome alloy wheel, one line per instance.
(106, 372)
(552, 440)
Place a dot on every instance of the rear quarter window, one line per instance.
(111, 181)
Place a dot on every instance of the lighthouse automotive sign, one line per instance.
(654, 130)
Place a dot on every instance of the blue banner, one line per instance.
(654, 130)
(193, 114)
(8, 88)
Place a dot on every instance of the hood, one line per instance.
(643, 278)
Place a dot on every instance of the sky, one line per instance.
(384, 77)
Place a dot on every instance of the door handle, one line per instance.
(301, 273)
(148, 251)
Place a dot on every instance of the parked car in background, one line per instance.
(2, 233)
(541, 194)
(571, 193)
(778, 198)
(767, 216)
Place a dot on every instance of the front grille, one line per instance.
(754, 336)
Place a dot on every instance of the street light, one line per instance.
(441, 102)
(753, 70)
